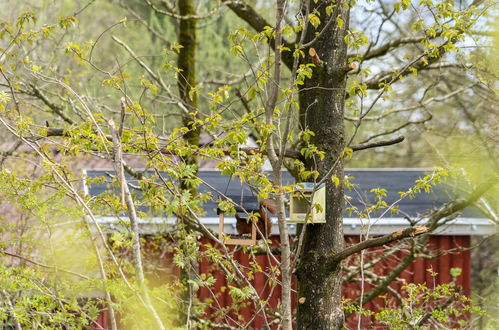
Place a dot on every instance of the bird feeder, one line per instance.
(236, 239)
(303, 201)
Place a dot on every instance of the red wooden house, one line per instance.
(451, 242)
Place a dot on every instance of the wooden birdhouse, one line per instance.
(230, 239)
(303, 200)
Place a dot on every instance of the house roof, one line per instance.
(363, 180)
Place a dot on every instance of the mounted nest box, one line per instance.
(237, 239)
(252, 223)
(253, 217)
(301, 201)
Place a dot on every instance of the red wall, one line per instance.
(418, 272)
(415, 273)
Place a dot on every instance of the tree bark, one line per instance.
(187, 75)
(186, 81)
(321, 110)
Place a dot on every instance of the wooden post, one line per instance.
(221, 226)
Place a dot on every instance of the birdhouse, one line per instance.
(303, 200)
(235, 239)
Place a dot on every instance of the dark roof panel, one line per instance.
(394, 181)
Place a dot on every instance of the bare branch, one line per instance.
(484, 33)
(11, 310)
(416, 106)
(433, 223)
(6, 154)
(52, 131)
(239, 78)
(424, 62)
(153, 75)
(398, 128)
(184, 17)
(39, 264)
(385, 282)
(147, 24)
(446, 65)
(379, 241)
(384, 49)
(461, 203)
(377, 144)
(257, 22)
(132, 215)
(440, 307)
(36, 92)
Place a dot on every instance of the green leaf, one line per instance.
(314, 20)
(335, 180)
(329, 10)
(4, 97)
(340, 22)
(455, 271)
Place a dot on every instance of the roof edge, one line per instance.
(351, 226)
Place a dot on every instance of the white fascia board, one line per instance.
(351, 226)
(456, 227)
(389, 169)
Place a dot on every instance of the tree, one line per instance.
(312, 103)
(321, 111)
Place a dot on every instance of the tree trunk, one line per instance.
(187, 75)
(321, 110)
(186, 81)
